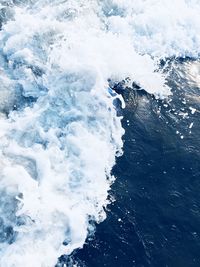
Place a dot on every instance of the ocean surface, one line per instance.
(155, 219)
(99, 133)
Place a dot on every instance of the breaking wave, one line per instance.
(59, 127)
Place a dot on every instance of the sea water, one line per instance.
(60, 127)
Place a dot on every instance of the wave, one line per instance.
(60, 132)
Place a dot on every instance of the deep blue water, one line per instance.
(155, 220)
(51, 57)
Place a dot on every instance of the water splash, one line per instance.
(59, 128)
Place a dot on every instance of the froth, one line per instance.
(59, 143)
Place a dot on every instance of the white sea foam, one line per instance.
(58, 147)
(160, 28)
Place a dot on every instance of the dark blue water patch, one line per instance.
(155, 220)
(8, 219)
(5, 15)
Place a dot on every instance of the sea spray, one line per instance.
(59, 128)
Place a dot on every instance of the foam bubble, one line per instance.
(158, 28)
(58, 145)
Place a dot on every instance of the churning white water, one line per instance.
(59, 130)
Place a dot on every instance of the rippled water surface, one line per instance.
(155, 220)
(99, 133)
